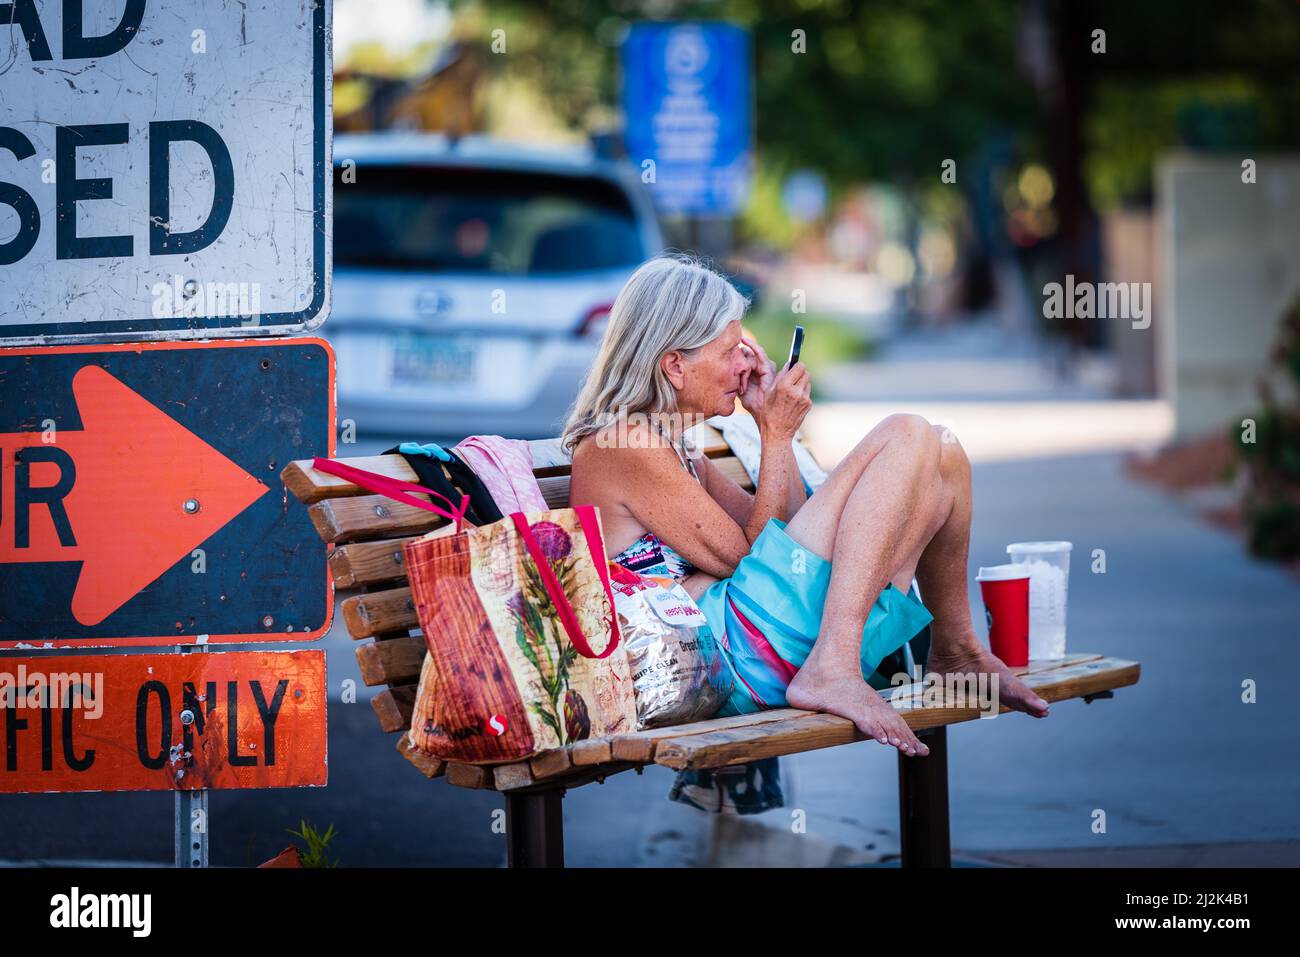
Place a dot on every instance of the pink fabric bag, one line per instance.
(505, 467)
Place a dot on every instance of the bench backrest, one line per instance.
(368, 532)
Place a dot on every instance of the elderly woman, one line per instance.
(806, 595)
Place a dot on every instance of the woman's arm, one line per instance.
(738, 503)
(784, 474)
(779, 491)
(798, 494)
(735, 501)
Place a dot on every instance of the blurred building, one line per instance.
(1229, 270)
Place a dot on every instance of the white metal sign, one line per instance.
(165, 168)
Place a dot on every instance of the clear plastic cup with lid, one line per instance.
(1049, 575)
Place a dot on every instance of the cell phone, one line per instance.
(796, 343)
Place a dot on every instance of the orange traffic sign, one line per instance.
(138, 478)
(140, 497)
(158, 722)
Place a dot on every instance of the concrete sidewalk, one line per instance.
(1177, 760)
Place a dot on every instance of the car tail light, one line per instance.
(594, 322)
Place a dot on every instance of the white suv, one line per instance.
(471, 279)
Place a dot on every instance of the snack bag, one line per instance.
(679, 673)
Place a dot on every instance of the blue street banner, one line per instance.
(687, 101)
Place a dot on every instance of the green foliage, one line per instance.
(1271, 504)
(1129, 125)
(1275, 453)
(1273, 529)
(316, 845)
(887, 89)
(882, 88)
(763, 217)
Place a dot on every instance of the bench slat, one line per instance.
(380, 612)
(1035, 666)
(476, 776)
(394, 707)
(511, 777)
(1083, 678)
(807, 733)
(310, 485)
(733, 469)
(640, 745)
(430, 767)
(591, 751)
(555, 490)
(340, 520)
(550, 763)
(396, 661)
(360, 564)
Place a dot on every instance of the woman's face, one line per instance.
(709, 381)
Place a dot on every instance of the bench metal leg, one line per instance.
(923, 803)
(535, 829)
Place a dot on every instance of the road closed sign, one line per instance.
(248, 719)
(140, 492)
(163, 168)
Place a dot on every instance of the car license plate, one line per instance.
(422, 360)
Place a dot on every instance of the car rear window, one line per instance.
(481, 220)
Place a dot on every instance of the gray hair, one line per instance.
(671, 302)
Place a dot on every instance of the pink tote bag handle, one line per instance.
(394, 489)
(587, 519)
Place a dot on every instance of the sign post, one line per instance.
(191, 806)
(192, 828)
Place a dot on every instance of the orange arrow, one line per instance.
(136, 468)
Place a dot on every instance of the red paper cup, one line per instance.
(1006, 605)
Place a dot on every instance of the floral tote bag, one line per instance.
(524, 651)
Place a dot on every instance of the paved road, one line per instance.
(1176, 760)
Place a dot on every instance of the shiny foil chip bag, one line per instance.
(679, 674)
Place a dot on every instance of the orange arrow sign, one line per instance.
(145, 492)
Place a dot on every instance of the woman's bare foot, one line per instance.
(974, 658)
(848, 696)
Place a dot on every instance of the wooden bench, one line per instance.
(367, 532)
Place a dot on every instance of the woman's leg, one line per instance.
(941, 570)
(941, 567)
(880, 507)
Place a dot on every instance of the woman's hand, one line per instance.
(755, 382)
(778, 400)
